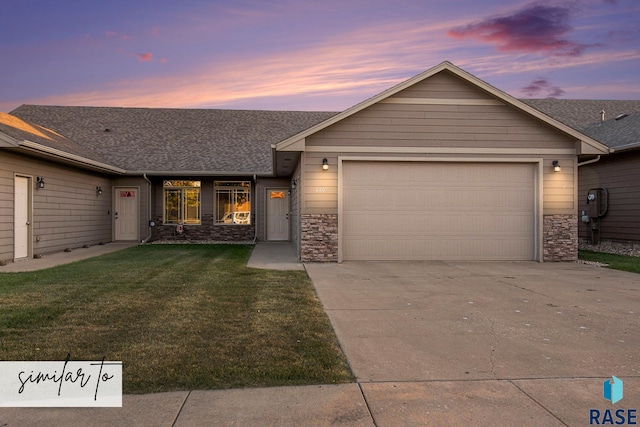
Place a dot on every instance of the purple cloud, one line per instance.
(536, 28)
(541, 87)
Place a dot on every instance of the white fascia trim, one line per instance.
(441, 150)
(7, 141)
(532, 160)
(33, 146)
(625, 147)
(199, 173)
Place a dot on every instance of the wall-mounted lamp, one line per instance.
(294, 183)
(40, 181)
(325, 164)
(556, 166)
(98, 191)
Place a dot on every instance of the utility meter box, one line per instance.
(598, 202)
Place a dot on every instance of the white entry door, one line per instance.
(277, 214)
(22, 217)
(126, 214)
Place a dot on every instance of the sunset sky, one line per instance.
(307, 55)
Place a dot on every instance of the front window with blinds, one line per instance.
(233, 202)
(181, 202)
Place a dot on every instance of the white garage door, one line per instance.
(438, 211)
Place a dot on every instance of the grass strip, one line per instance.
(616, 262)
(179, 317)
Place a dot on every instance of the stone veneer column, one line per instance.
(560, 237)
(319, 238)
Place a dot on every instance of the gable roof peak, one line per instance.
(464, 75)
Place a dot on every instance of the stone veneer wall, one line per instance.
(319, 238)
(207, 230)
(560, 238)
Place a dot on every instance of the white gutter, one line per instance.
(625, 147)
(588, 162)
(195, 173)
(32, 146)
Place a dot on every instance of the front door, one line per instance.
(22, 217)
(126, 214)
(277, 214)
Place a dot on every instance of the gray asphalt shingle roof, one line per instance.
(22, 130)
(618, 133)
(239, 141)
(584, 115)
(175, 140)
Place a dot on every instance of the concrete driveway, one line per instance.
(474, 343)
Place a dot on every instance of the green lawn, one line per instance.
(616, 262)
(179, 317)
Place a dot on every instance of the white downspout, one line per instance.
(588, 162)
(144, 175)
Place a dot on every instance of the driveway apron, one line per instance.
(477, 342)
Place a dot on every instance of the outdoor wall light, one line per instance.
(98, 191)
(556, 166)
(325, 164)
(294, 183)
(40, 181)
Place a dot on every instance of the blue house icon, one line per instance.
(613, 389)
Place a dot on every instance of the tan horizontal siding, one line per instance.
(452, 129)
(66, 213)
(443, 85)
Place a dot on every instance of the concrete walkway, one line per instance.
(274, 256)
(60, 258)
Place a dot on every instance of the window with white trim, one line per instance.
(181, 202)
(233, 202)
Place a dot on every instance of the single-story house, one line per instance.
(609, 186)
(440, 167)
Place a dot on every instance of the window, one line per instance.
(182, 202)
(233, 202)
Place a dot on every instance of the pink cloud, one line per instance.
(535, 28)
(541, 87)
(144, 57)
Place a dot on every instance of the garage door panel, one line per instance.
(370, 225)
(426, 210)
(414, 249)
(483, 198)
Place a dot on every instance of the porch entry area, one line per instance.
(277, 202)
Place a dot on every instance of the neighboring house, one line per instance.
(613, 180)
(440, 167)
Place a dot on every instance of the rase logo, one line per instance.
(613, 391)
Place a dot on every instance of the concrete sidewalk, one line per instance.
(320, 405)
(274, 256)
(60, 258)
